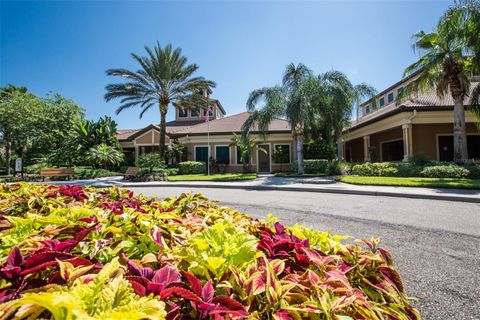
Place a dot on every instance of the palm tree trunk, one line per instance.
(300, 167)
(338, 139)
(163, 116)
(7, 156)
(460, 153)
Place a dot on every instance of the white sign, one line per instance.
(18, 165)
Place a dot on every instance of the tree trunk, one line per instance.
(338, 139)
(460, 153)
(163, 116)
(300, 167)
(7, 156)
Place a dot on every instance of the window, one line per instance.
(222, 154)
(201, 153)
(382, 101)
(281, 153)
(239, 157)
(182, 113)
(204, 112)
(367, 109)
(194, 112)
(390, 97)
(399, 90)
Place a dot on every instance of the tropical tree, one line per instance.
(17, 114)
(92, 133)
(104, 155)
(165, 79)
(335, 98)
(247, 145)
(288, 101)
(449, 56)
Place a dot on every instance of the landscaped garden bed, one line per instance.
(69, 252)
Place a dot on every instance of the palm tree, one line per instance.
(448, 58)
(288, 101)
(336, 99)
(104, 155)
(247, 145)
(165, 78)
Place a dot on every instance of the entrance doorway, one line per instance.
(263, 158)
(392, 151)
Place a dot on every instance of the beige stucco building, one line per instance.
(213, 138)
(391, 130)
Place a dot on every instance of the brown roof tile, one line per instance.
(231, 124)
(425, 101)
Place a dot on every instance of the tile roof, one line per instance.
(125, 134)
(227, 124)
(428, 100)
(231, 124)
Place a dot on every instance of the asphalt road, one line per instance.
(435, 244)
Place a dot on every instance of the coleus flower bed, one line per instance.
(68, 252)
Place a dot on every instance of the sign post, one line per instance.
(18, 166)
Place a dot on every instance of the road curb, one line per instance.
(457, 198)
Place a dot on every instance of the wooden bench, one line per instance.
(131, 171)
(56, 172)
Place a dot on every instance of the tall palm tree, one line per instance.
(337, 98)
(447, 60)
(287, 101)
(165, 78)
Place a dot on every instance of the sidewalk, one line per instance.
(316, 184)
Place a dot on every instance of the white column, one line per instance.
(366, 148)
(407, 141)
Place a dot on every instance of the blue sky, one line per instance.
(66, 46)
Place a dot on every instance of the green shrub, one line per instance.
(449, 171)
(407, 169)
(191, 167)
(339, 168)
(150, 161)
(34, 168)
(421, 159)
(319, 149)
(89, 173)
(381, 169)
(474, 168)
(313, 165)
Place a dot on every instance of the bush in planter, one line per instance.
(313, 166)
(150, 161)
(191, 167)
(448, 171)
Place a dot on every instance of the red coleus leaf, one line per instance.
(180, 293)
(138, 288)
(282, 315)
(392, 277)
(207, 291)
(229, 303)
(166, 275)
(15, 258)
(195, 284)
(146, 272)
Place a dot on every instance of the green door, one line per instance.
(201, 154)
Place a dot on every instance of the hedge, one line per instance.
(313, 166)
(191, 167)
(407, 169)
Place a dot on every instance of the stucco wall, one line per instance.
(425, 137)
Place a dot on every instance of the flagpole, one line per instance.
(208, 139)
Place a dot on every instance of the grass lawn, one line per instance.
(296, 175)
(214, 177)
(413, 182)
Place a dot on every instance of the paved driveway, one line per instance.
(436, 244)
